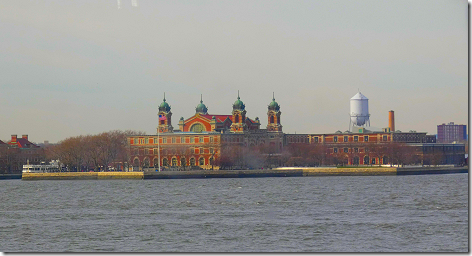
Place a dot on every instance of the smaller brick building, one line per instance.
(17, 152)
(373, 148)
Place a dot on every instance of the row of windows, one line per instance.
(346, 150)
(172, 140)
(174, 162)
(299, 140)
(355, 138)
(173, 151)
(232, 139)
(335, 139)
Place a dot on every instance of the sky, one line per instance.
(79, 67)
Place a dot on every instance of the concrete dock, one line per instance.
(276, 172)
(431, 170)
(300, 172)
(82, 175)
(10, 176)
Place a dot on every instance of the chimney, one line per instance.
(13, 139)
(391, 120)
(25, 136)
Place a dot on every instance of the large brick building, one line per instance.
(201, 137)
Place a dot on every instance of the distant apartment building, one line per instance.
(448, 133)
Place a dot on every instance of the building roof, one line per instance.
(23, 143)
(176, 134)
(238, 104)
(201, 108)
(219, 118)
(274, 105)
(359, 96)
(164, 105)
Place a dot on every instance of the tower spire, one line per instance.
(238, 94)
(164, 96)
(273, 96)
(201, 98)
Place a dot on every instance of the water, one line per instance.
(427, 213)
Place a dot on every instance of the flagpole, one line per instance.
(158, 146)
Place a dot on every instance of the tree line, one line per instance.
(310, 155)
(97, 152)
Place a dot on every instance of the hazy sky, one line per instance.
(79, 67)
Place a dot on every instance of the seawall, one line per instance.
(432, 170)
(82, 175)
(205, 174)
(300, 172)
(277, 172)
(10, 176)
(350, 171)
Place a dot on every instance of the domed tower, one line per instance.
(164, 117)
(273, 116)
(239, 116)
(201, 108)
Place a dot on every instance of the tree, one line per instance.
(97, 151)
(377, 150)
(401, 153)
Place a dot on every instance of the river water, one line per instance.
(426, 213)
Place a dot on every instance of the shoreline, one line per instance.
(205, 174)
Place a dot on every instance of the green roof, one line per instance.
(274, 105)
(201, 108)
(238, 104)
(164, 106)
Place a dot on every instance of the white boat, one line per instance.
(53, 166)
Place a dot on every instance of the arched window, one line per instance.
(355, 160)
(271, 119)
(385, 160)
(197, 128)
(212, 161)
(165, 162)
(201, 161)
(156, 162)
(366, 160)
(146, 162)
(174, 161)
(183, 162)
(236, 119)
(192, 161)
(136, 162)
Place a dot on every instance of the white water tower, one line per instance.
(359, 111)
